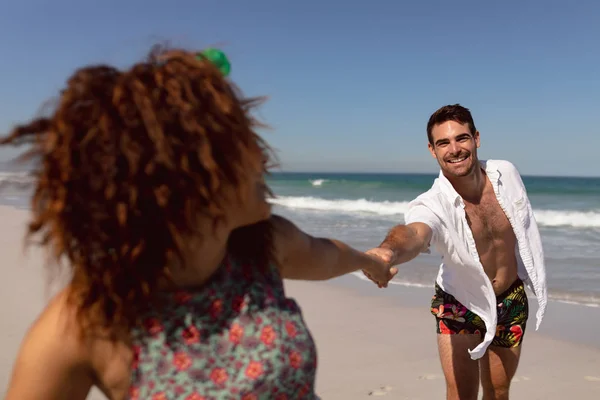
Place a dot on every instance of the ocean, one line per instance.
(360, 209)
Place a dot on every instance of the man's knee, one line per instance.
(462, 389)
(496, 392)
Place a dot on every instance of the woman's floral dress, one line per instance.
(238, 337)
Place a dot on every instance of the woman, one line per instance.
(150, 184)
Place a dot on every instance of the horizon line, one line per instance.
(420, 173)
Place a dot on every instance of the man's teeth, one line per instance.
(457, 160)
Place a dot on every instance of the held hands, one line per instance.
(381, 271)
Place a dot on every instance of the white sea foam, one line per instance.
(554, 218)
(577, 219)
(318, 182)
(342, 205)
(19, 179)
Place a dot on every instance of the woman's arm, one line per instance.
(51, 363)
(305, 257)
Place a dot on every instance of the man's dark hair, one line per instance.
(453, 112)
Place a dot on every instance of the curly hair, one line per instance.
(123, 166)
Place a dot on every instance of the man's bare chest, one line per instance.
(488, 222)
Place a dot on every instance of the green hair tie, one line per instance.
(218, 58)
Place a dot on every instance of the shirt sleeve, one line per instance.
(423, 214)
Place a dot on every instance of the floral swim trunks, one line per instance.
(513, 309)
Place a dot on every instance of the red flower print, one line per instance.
(159, 396)
(444, 329)
(303, 391)
(182, 361)
(290, 327)
(254, 370)
(179, 390)
(295, 359)
(249, 396)
(517, 332)
(191, 335)
(135, 362)
(182, 297)
(219, 376)
(237, 303)
(153, 326)
(236, 333)
(268, 335)
(134, 393)
(216, 308)
(281, 396)
(195, 396)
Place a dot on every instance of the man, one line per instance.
(478, 217)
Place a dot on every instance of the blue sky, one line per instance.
(351, 83)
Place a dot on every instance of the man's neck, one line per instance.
(469, 187)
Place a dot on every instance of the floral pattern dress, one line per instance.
(238, 337)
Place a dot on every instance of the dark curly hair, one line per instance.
(123, 166)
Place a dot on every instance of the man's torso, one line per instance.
(494, 238)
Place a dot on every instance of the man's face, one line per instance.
(455, 148)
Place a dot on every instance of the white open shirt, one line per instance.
(461, 273)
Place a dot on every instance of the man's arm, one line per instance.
(301, 256)
(402, 244)
(406, 241)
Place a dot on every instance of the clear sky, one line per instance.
(351, 83)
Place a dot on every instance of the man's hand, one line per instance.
(386, 255)
(381, 272)
(384, 275)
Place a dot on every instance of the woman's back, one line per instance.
(236, 337)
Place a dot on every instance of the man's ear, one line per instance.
(432, 150)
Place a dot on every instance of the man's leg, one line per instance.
(459, 330)
(460, 371)
(498, 367)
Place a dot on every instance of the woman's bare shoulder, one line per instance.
(61, 360)
(52, 356)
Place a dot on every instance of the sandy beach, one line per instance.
(371, 342)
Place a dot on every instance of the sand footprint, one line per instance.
(382, 391)
(592, 378)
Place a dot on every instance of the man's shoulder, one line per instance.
(509, 175)
(503, 166)
(431, 198)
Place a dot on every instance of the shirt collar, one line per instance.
(491, 170)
